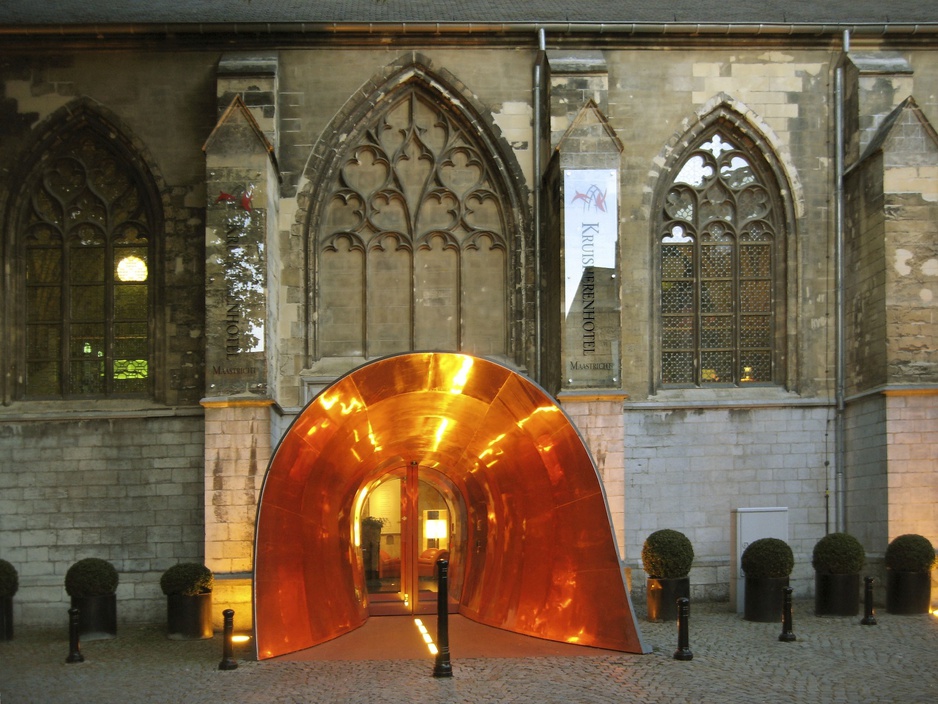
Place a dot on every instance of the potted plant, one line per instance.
(92, 585)
(188, 590)
(9, 584)
(837, 560)
(909, 561)
(666, 557)
(767, 564)
(371, 527)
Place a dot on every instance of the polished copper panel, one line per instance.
(539, 557)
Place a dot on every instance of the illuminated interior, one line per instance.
(533, 546)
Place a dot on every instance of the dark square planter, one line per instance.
(765, 599)
(908, 592)
(836, 594)
(189, 617)
(6, 618)
(662, 596)
(97, 618)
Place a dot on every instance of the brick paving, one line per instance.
(834, 659)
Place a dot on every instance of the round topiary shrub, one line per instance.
(768, 557)
(91, 576)
(838, 553)
(667, 554)
(187, 579)
(9, 579)
(910, 553)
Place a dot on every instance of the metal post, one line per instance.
(787, 636)
(74, 648)
(442, 667)
(868, 619)
(227, 659)
(683, 651)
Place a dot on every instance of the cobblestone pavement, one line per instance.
(834, 659)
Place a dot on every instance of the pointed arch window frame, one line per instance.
(413, 243)
(672, 232)
(135, 362)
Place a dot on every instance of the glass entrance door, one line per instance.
(408, 519)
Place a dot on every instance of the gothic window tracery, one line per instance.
(719, 267)
(412, 250)
(86, 237)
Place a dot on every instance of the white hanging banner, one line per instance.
(591, 292)
(591, 215)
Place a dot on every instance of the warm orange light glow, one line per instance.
(240, 639)
(440, 433)
(535, 512)
(132, 269)
(434, 529)
(462, 376)
(427, 638)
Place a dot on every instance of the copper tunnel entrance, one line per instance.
(534, 551)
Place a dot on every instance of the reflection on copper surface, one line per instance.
(538, 555)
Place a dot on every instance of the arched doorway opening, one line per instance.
(535, 550)
(406, 520)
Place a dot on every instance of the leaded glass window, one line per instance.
(719, 263)
(86, 240)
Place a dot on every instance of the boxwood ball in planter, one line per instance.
(188, 589)
(9, 585)
(92, 585)
(667, 556)
(909, 561)
(837, 560)
(767, 564)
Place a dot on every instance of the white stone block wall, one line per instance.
(126, 488)
(912, 440)
(867, 473)
(688, 468)
(237, 452)
(600, 422)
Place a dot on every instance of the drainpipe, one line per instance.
(840, 499)
(538, 117)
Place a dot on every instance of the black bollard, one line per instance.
(442, 667)
(787, 635)
(227, 659)
(683, 651)
(868, 618)
(74, 648)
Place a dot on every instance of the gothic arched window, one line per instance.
(412, 244)
(720, 249)
(86, 230)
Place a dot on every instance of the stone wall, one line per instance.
(687, 468)
(867, 478)
(912, 442)
(865, 284)
(126, 487)
(680, 459)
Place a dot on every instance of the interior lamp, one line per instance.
(435, 529)
(132, 269)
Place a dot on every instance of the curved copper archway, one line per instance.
(540, 556)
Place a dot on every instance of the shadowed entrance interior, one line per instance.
(539, 556)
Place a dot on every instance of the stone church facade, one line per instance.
(201, 232)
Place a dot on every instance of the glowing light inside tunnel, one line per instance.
(462, 376)
(427, 638)
(539, 555)
(440, 433)
(356, 523)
